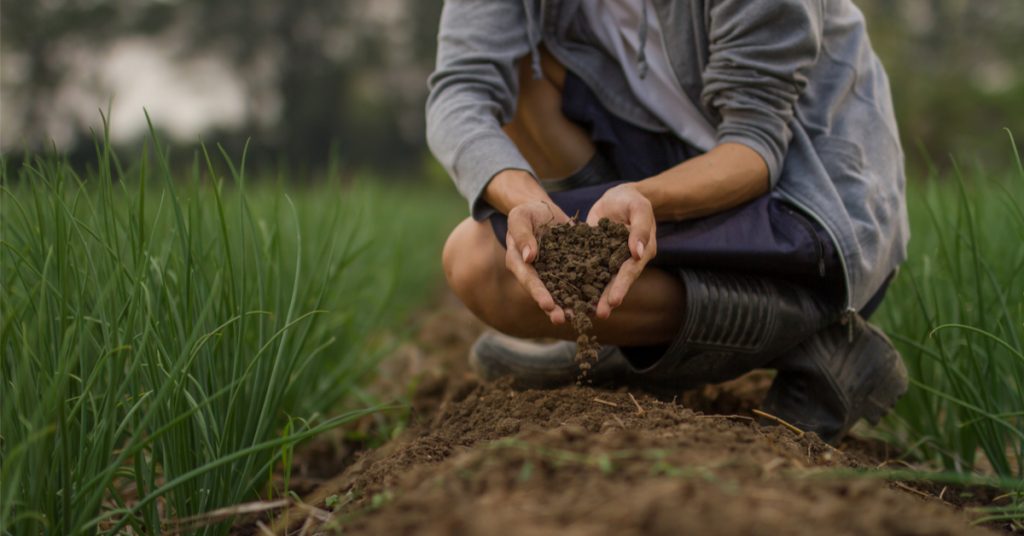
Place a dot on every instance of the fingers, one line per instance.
(521, 242)
(526, 275)
(603, 310)
(524, 222)
(615, 293)
(644, 247)
(627, 206)
(521, 234)
(641, 228)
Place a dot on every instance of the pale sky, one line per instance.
(183, 97)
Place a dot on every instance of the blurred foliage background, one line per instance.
(316, 83)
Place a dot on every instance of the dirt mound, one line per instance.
(585, 461)
(487, 459)
(576, 261)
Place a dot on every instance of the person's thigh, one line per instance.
(474, 263)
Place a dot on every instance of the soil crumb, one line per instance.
(486, 459)
(575, 262)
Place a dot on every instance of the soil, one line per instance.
(488, 459)
(576, 261)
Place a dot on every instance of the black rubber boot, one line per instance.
(842, 374)
(539, 365)
(733, 324)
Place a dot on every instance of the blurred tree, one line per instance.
(957, 75)
(36, 39)
(320, 77)
(344, 76)
(347, 78)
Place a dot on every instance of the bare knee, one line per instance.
(475, 269)
(466, 260)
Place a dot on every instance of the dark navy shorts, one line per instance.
(765, 236)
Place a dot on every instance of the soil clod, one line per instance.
(576, 262)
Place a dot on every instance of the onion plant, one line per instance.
(956, 313)
(166, 342)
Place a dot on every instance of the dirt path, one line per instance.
(486, 459)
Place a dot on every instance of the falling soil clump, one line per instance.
(575, 262)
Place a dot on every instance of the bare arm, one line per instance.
(760, 54)
(727, 176)
(511, 188)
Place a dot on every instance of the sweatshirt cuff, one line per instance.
(747, 128)
(477, 161)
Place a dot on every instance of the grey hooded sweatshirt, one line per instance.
(794, 80)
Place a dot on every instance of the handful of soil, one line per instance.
(575, 262)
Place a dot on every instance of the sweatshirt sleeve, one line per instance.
(760, 54)
(473, 93)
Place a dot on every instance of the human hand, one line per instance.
(524, 222)
(625, 204)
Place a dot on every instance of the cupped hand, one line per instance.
(524, 224)
(626, 205)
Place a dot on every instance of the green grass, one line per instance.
(956, 312)
(166, 342)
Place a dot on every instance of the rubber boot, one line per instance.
(844, 373)
(540, 365)
(733, 324)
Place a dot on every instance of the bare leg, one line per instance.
(474, 263)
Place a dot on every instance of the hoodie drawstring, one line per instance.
(531, 30)
(641, 56)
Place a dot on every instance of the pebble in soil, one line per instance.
(575, 262)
